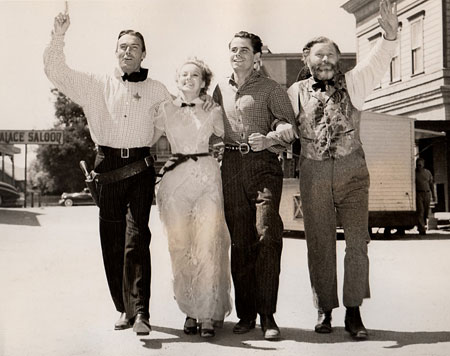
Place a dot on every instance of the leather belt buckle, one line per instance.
(124, 153)
(244, 148)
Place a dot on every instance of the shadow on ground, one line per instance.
(441, 234)
(225, 337)
(18, 217)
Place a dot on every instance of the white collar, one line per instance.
(180, 99)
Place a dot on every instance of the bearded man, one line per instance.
(334, 180)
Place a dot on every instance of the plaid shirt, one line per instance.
(256, 107)
(118, 112)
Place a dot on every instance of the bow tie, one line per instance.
(136, 76)
(186, 104)
(322, 84)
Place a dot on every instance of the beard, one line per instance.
(324, 71)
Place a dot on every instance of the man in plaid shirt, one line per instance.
(257, 118)
(117, 108)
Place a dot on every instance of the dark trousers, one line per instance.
(423, 200)
(329, 189)
(252, 185)
(125, 234)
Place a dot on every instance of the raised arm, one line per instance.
(368, 73)
(74, 84)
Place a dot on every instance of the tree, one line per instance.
(57, 167)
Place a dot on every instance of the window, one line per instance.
(417, 45)
(395, 69)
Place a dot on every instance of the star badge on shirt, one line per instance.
(137, 97)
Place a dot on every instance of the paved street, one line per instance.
(54, 299)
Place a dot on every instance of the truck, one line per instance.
(389, 145)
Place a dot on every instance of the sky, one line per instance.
(173, 30)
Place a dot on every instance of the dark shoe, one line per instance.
(123, 322)
(190, 326)
(354, 324)
(269, 327)
(207, 329)
(323, 325)
(244, 326)
(141, 325)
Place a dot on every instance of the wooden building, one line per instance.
(417, 83)
(8, 172)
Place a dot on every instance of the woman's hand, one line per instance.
(209, 103)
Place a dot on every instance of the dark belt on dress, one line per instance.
(178, 158)
(242, 147)
(126, 171)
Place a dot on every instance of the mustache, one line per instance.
(317, 67)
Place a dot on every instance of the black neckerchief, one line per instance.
(322, 84)
(139, 76)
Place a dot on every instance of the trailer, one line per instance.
(388, 142)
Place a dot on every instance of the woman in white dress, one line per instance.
(190, 201)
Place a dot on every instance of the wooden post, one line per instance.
(25, 187)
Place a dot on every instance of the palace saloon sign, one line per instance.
(33, 137)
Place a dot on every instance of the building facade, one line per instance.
(417, 83)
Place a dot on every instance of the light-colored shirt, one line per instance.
(188, 128)
(424, 181)
(118, 112)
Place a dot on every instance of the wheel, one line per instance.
(68, 202)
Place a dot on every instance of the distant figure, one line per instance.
(424, 186)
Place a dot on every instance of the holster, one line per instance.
(90, 183)
(92, 186)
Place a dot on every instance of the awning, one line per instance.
(420, 134)
(9, 149)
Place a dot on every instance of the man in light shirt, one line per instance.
(334, 180)
(424, 194)
(117, 108)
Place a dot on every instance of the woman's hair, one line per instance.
(320, 39)
(254, 39)
(135, 34)
(204, 69)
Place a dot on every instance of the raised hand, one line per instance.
(62, 22)
(388, 20)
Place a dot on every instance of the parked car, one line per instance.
(81, 198)
(10, 196)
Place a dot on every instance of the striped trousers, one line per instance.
(125, 234)
(331, 189)
(252, 185)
